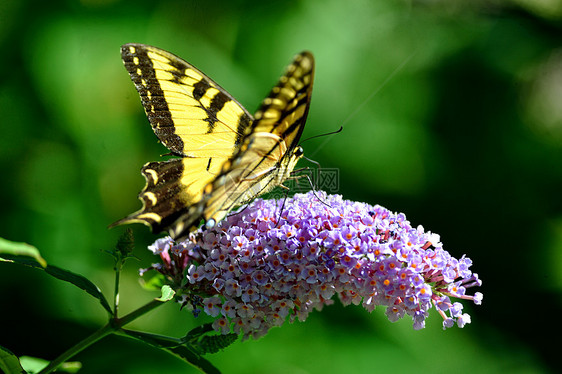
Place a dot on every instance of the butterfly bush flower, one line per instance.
(268, 263)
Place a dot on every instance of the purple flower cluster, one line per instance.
(264, 264)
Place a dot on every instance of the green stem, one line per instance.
(116, 291)
(104, 331)
(112, 327)
(120, 322)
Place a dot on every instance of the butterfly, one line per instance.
(225, 157)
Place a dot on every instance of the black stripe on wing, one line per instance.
(135, 58)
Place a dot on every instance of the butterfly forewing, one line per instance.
(191, 115)
(283, 112)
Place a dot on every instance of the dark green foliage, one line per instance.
(205, 340)
(214, 343)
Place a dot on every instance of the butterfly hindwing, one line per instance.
(227, 156)
(173, 188)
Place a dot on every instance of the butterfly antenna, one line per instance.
(320, 135)
(373, 93)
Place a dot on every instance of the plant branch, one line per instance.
(112, 327)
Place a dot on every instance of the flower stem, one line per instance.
(116, 291)
(113, 326)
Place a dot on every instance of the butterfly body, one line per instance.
(226, 156)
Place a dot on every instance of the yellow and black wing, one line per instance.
(270, 151)
(194, 118)
(226, 157)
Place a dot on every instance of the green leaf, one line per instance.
(9, 363)
(62, 274)
(79, 281)
(35, 365)
(187, 355)
(198, 331)
(175, 347)
(21, 249)
(204, 343)
(167, 293)
(214, 343)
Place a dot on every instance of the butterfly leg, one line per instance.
(282, 205)
(296, 177)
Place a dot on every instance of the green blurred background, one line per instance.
(452, 114)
